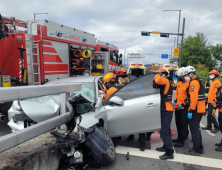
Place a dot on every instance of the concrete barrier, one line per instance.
(34, 154)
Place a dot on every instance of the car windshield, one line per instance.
(88, 89)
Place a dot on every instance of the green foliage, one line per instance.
(204, 57)
(196, 50)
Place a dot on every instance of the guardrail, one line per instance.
(18, 93)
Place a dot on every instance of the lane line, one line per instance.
(195, 160)
(211, 134)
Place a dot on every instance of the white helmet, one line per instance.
(190, 69)
(181, 72)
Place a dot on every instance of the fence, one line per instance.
(18, 93)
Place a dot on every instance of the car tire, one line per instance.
(110, 156)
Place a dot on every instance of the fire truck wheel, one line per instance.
(5, 107)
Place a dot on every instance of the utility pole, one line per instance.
(125, 57)
(181, 50)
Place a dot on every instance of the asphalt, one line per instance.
(145, 160)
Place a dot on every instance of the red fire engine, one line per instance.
(36, 51)
(47, 50)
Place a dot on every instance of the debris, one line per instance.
(127, 156)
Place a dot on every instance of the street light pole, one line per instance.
(181, 51)
(125, 57)
(178, 23)
(38, 14)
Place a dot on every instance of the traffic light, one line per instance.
(164, 35)
(143, 33)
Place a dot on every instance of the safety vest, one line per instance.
(168, 95)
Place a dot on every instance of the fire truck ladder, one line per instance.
(35, 64)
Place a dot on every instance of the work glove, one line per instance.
(190, 115)
(180, 106)
(214, 112)
(174, 103)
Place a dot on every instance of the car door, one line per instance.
(140, 111)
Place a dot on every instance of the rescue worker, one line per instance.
(212, 102)
(182, 111)
(196, 110)
(160, 81)
(124, 80)
(219, 105)
(111, 86)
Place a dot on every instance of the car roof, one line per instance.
(78, 79)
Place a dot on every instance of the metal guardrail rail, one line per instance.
(18, 93)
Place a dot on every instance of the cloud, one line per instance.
(120, 22)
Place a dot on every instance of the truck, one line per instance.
(172, 69)
(34, 52)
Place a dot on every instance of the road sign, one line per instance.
(176, 51)
(164, 56)
(134, 55)
(175, 63)
(156, 32)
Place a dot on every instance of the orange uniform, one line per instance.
(109, 93)
(194, 93)
(165, 105)
(181, 93)
(212, 91)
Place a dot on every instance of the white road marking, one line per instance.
(202, 161)
(211, 134)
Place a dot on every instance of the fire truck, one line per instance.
(47, 50)
(34, 52)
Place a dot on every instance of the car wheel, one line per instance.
(110, 156)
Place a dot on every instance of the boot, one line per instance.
(162, 149)
(218, 144)
(193, 153)
(168, 155)
(176, 140)
(179, 144)
(215, 130)
(130, 137)
(219, 149)
(206, 128)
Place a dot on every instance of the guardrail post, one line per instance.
(63, 107)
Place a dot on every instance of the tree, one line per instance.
(171, 60)
(196, 50)
(216, 52)
(202, 71)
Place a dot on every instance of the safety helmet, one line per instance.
(109, 77)
(181, 72)
(190, 69)
(163, 70)
(123, 70)
(214, 72)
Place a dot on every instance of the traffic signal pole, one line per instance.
(181, 50)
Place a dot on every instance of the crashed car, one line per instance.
(134, 108)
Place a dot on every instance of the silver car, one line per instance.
(134, 108)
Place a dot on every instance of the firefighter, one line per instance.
(111, 86)
(165, 86)
(196, 110)
(182, 111)
(212, 102)
(219, 105)
(124, 80)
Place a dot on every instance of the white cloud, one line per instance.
(120, 22)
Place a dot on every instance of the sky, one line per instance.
(120, 22)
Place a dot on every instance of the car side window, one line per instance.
(140, 87)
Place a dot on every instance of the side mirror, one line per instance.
(120, 55)
(117, 100)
